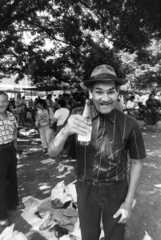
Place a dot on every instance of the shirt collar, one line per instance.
(110, 116)
(7, 113)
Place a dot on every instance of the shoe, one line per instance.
(44, 150)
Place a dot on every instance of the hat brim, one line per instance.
(120, 81)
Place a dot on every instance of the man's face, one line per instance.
(3, 103)
(104, 96)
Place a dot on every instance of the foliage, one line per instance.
(143, 70)
(68, 38)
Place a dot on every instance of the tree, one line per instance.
(82, 34)
(143, 70)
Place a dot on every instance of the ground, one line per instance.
(37, 179)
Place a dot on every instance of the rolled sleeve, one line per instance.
(136, 145)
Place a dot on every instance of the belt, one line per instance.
(6, 145)
(97, 183)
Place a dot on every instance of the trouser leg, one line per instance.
(43, 137)
(12, 185)
(4, 162)
(89, 211)
(113, 197)
(48, 133)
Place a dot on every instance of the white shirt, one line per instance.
(130, 104)
(61, 114)
(137, 98)
(143, 99)
(43, 117)
(7, 128)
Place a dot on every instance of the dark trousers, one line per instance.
(8, 179)
(100, 202)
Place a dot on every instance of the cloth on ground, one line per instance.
(64, 217)
(64, 193)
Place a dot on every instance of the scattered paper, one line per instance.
(19, 166)
(49, 160)
(44, 187)
(7, 232)
(150, 165)
(77, 232)
(61, 167)
(147, 237)
(157, 185)
(65, 237)
(71, 160)
(62, 176)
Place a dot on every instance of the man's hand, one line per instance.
(77, 124)
(124, 211)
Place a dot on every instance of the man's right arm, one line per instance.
(56, 144)
(76, 124)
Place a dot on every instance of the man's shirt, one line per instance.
(105, 158)
(44, 117)
(130, 104)
(7, 128)
(61, 114)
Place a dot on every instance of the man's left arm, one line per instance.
(15, 137)
(126, 207)
(137, 154)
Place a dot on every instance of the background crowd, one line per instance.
(49, 114)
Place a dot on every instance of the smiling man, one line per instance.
(104, 190)
(8, 161)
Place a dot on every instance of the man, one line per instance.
(8, 161)
(61, 114)
(103, 190)
(131, 103)
(152, 111)
(50, 103)
(20, 106)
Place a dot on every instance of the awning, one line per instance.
(48, 88)
(13, 91)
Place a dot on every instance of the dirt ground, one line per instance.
(38, 179)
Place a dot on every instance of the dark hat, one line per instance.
(103, 73)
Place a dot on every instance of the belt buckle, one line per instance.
(96, 183)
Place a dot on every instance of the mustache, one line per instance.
(107, 103)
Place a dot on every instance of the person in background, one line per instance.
(60, 96)
(20, 106)
(153, 105)
(30, 103)
(25, 107)
(131, 103)
(34, 109)
(143, 99)
(50, 103)
(56, 104)
(78, 101)
(44, 123)
(104, 190)
(61, 115)
(136, 99)
(8, 161)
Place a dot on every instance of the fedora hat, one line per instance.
(103, 73)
